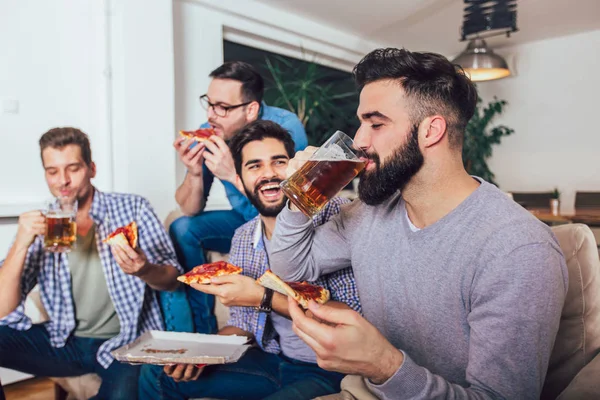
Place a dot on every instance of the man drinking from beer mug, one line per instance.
(461, 288)
(98, 298)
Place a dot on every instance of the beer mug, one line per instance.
(61, 228)
(328, 171)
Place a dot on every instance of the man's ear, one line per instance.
(93, 170)
(435, 130)
(252, 111)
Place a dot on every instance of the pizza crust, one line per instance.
(272, 281)
(121, 239)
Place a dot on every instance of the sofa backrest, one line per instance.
(578, 338)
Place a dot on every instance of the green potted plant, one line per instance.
(304, 87)
(480, 138)
(555, 202)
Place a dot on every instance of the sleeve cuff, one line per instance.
(409, 380)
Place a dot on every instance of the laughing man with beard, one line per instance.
(233, 100)
(461, 288)
(282, 366)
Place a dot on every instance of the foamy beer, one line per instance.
(329, 169)
(61, 228)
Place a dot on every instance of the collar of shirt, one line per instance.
(257, 236)
(98, 208)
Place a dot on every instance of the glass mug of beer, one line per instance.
(328, 171)
(61, 228)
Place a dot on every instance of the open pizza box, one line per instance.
(160, 348)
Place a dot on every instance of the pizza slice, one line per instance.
(302, 292)
(198, 135)
(203, 273)
(125, 235)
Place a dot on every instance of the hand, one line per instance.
(346, 342)
(132, 261)
(334, 304)
(184, 372)
(31, 224)
(219, 159)
(299, 160)
(192, 158)
(234, 290)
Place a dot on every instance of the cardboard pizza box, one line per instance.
(160, 348)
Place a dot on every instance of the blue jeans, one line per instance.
(30, 351)
(192, 237)
(257, 375)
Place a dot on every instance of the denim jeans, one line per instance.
(192, 237)
(30, 351)
(257, 375)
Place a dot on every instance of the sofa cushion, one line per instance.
(586, 384)
(578, 338)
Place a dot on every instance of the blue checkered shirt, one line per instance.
(248, 251)
(135, 303)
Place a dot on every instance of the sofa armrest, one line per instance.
(586, 384)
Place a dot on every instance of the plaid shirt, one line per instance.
(248, 251)
(135, 303)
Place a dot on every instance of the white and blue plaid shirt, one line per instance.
(248, 252)
(135, 303)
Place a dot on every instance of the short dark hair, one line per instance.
(253, 85)
(432, 84)
(60, 137)
(259, 130)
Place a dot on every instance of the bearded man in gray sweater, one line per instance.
(461, 288)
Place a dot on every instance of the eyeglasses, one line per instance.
(218, 109)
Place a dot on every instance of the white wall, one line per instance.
(97, 66)
(143, 90)
(52, 67)
(553, 105)
(53, 58)
(103, 66)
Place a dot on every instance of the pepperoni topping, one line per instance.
(306, 289)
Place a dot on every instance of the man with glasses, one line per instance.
(233, 100)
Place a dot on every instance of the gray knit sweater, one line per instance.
(473, 300)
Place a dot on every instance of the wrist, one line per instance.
(231, 179)
(144, 270)
(266, 302)
(260, 294)
(194, 175)
(21, 246)
(387, 366)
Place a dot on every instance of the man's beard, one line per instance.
(263, 209)
(380, 184)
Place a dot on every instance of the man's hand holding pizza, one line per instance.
(346, 342)
(192, 156)
(219, 159)
(132, 261)
(234, 290)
